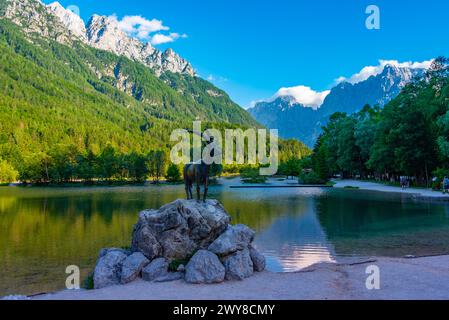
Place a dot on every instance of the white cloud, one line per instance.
(369, 71)
(304, 95)
(143, 29)
(160, 38)
(216, 79)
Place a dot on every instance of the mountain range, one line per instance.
(296, 120)
(68, 89)
(55, 22)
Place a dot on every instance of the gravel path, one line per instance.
(420, 278)
(421, 192)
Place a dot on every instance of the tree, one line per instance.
(320, 158)
(138, 169)
(108, 163)
(86, 166)
(157, 162)
(7, 172)
(173, 173)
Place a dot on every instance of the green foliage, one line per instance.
(157, 163)
(7, 172)
(88, 282)
(292, 167)
(251, 175)
(292, 149)
(310, 178)
(351, 187)
(409, 136)
(64, 118)
(174, 264)
(173, 173)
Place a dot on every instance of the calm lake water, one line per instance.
(43, 230)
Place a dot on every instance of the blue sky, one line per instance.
(253, 48)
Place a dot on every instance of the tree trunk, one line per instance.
(427, 174)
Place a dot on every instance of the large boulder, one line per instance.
(235, 238)
(204, 267)
(169, 276)
(238, 265)
(108, 268)
(178, 229)
(172, 234)
(257, 258)
(132, 266)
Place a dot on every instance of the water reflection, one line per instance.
(44, 230)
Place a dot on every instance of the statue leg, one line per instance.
(198, 188)
(206, 182)
(187, 187)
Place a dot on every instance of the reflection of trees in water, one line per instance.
(297, 241)
(375, 224)
(40, 236)
(6, 203)
(260, 213)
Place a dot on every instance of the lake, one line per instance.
(43, 230)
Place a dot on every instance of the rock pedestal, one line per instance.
(185, 239)
(179, 229)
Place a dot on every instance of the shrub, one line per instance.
(88, 282)
(310, 178)
(251, 175)
(173, 173)
(7, 172)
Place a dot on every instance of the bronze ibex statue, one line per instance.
(198, 173)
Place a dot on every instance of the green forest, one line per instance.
(74, 113)
(408, 137)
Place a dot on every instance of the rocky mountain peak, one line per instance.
(104, 33)
(296, 121)
(34, 18)
(69, 19)
(55, 22)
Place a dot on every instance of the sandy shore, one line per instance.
(416, 192)
(420, 278)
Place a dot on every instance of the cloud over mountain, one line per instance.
(303, 95)
(369, 71)
(146, 30)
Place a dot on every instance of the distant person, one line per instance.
(404, 183)
(445, 185)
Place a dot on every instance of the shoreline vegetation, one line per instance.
(406, 140)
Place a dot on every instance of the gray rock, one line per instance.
(238, 265)
(145, 241)
(258, 259)
(181, 268)
(132, 266)
(178, 229)
(233, 239)
(157, 268)
(104, 251)
(170, 276)
(108, 268)
(204, 267)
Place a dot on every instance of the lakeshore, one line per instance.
(400, 278)
(295, 228)
(420, 193)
